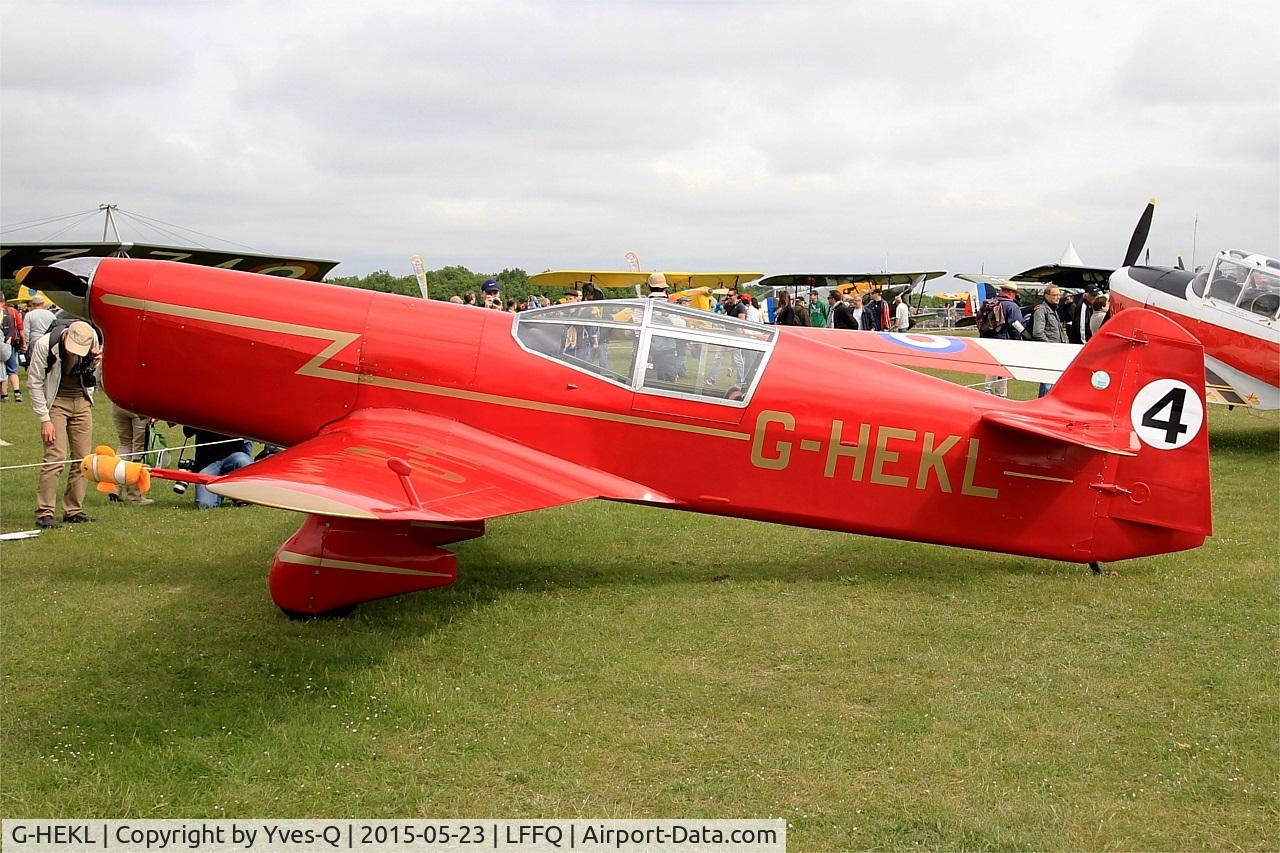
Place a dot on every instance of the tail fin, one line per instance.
(1136, 393)
(1146, 374)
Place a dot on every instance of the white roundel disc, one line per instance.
(1101, 380)
(1167, 414)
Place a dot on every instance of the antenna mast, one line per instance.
(1195, 227)
(109, 222)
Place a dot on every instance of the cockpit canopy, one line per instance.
(1249, 282)
(652, 347)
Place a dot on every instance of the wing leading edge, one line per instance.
(392, 464)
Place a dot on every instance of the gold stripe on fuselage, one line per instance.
(1047, 479)
(329, 563)
(340, 340)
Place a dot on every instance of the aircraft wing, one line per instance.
(393, 464)
(1026, 360)
(14, 256)
(981, 278)
(1066, 275)
(630, 278)
(831, 279)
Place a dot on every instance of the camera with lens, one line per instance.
(179, 487)
(84, 370)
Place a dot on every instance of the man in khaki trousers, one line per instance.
(131, 431)
(61, 376)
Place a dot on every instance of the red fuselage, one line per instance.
(828, 439)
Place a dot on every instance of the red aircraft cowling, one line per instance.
(398, 410)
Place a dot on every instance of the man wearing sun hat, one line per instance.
(1011, 329)
(61, 375)
(657, 286)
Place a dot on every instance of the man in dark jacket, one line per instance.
(1046, 326)
(844, 317)
(878, 310)
(217, 455)
(1079, 312)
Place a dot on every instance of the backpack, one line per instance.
(55, 333)
(990, 318)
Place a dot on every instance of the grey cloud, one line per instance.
(729, 134)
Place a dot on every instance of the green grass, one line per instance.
(604, 660)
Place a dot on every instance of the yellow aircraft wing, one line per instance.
(25, 295)
(630, 278)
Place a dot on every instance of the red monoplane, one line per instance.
(410, 423)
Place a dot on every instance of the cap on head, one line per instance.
(79, 338)
(1011, 286)
(489, 286)
(37, 299)
(657, 282)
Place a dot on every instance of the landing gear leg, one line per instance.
(332, 564)
(1096, 568)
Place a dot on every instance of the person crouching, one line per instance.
(217, 455)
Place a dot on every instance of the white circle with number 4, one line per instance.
(1167, 414)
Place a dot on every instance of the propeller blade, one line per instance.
(1140, 235)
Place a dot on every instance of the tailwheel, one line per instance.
(1097, 569)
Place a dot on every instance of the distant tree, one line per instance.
(453, 281)
(449, 281)
(382, 281)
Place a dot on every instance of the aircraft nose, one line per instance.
(66, 283)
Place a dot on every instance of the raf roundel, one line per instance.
(925, 343)
(1167, 414)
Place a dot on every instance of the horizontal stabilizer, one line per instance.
(1095, 435)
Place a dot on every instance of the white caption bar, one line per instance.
(395, 836)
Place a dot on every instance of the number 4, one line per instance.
(1173, 427)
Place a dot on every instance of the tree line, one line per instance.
(449, 281)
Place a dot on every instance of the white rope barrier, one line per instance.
(180, 448)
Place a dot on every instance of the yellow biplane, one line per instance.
(699, 287)
(25, 295)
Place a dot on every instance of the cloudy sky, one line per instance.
(774, 136)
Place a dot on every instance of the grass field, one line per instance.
(604, 660)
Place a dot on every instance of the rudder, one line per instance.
(1145, 375)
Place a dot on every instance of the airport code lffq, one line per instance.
(395, 836)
